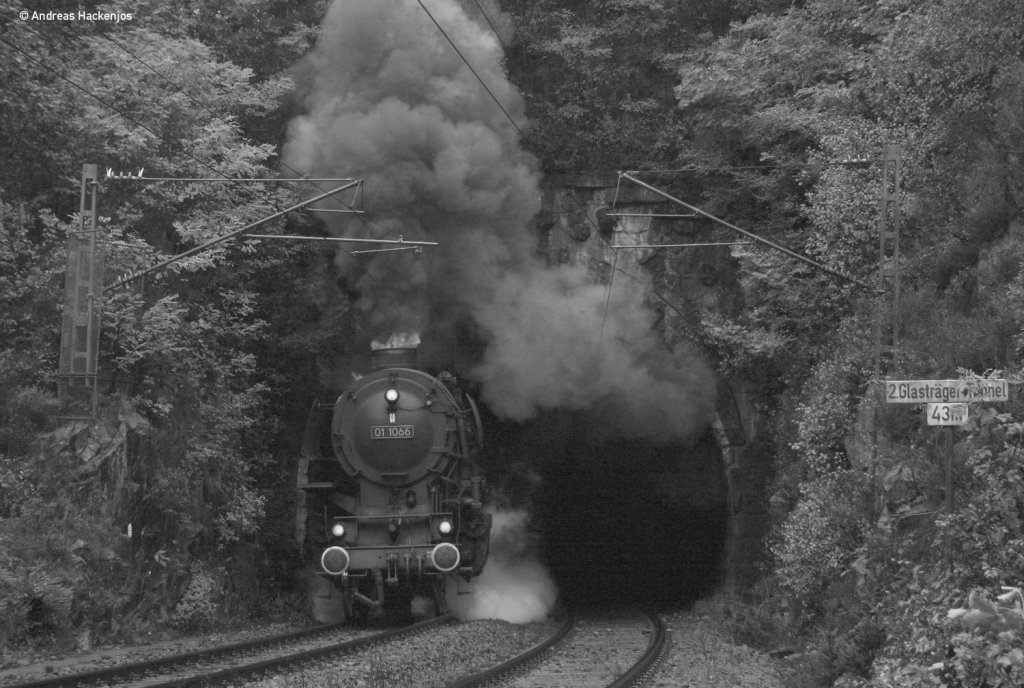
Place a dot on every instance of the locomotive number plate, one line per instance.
(392, 432)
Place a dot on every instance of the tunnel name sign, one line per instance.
(946, 399)
(945, 391)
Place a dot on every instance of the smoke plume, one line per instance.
(514, 585)
(387, 100)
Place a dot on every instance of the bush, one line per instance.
(198, 606)
(822, 536)
(58, 574)
(24, 413)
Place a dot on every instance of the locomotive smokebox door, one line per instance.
(397, 427)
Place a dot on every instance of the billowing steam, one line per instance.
(397, 340)
(387, 100)
(390, 102)
(514, 585)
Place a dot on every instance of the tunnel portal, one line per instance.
(622, 520)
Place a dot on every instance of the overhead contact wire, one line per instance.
(224, 237)
(137, 123)
(470, 67)
(135, 275)
(608, 295)
(181, 89)
(373, 229)
(491, 24)
(127, 117)
(616, 270)
(597, 231)
(750, 235)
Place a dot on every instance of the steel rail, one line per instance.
(637, 672)
(250, 668)
(150, 665)
(114, 674)
(487, 676)
(651, 656)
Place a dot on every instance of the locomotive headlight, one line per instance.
(445, 557)
(335, 560)
(338, 530)
(445, 527)
(391, 395)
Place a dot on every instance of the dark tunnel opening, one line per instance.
(628, 521)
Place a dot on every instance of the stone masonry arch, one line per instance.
(581, 218)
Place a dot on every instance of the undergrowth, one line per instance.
(921, 597)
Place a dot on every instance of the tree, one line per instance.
(181, 352)
(598, 78)
(796, 91)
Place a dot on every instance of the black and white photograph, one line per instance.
(523, 343)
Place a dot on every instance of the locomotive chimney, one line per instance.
(397, 351)
(398, 357)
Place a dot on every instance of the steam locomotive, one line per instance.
(392, 497)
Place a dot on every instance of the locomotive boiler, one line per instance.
(392, 497)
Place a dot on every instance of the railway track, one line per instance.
(587, 649)
(614, 649)
(238, 661)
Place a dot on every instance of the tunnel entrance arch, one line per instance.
(747, 473)
(626, 520)
(578, 225)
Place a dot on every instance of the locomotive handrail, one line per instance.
(388, 517)
(478, 423)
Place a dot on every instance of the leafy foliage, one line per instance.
(185, 432)
(54, 579)
(789, 93)
(822, 536)
(598, 77)
(30, 268)
(198, 605)
(829, 402)
(739, 347)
